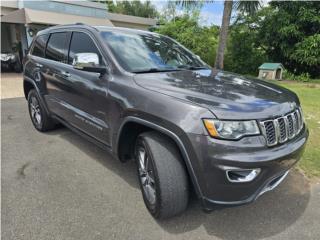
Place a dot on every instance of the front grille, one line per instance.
(281, 129)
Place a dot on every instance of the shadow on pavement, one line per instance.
(271, 214)
(127, 170)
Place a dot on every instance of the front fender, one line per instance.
(179, 138)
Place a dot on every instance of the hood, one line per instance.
(226, 95)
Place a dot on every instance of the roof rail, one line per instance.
(72, 24)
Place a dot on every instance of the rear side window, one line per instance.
(56, 47)
(40, 45)
(82, 43)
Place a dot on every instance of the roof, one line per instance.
(26, 15)
(271, 66)
(131, 19)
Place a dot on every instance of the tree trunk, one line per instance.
(223, 33)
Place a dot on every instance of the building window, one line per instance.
(264, 74)
(66, 7)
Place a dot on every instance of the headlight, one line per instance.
(231, 129)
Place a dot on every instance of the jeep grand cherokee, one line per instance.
(144, 96)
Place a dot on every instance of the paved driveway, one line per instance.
(59, 186)
(11, 85)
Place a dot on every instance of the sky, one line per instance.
(211, 13)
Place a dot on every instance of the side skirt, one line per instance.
(83, 134)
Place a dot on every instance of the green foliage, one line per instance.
(243, 54)
(308, 51)
(304, 77)
(290, 34)
(134, 8)
(286, 32)
(247, 7)
(200, 40)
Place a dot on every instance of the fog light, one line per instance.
(242, 175)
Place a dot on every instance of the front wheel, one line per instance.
(162, 175)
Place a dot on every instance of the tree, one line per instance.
(187, 31)
(244, 52)
(134, 8)
(248, 7)
(223, 36)
(290, 34)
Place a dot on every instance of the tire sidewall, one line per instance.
(155, 208)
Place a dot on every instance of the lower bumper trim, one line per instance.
(273, 184)
(209, 204)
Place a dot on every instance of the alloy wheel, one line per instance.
(146, 175)
(35, 111)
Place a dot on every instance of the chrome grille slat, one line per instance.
(290, 126)
(295, 122)
(299, 119)
(283, 128)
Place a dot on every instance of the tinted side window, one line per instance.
(40, 45)
(56, 48)
(82, 43)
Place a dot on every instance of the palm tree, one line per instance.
(246, 7)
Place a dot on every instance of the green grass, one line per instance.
(309, 95)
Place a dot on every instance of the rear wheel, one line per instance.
(39, 117)
(162, 175)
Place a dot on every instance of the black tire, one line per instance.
(44, 123)
(169, 174)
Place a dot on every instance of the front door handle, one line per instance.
(65, 74)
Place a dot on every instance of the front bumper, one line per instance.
(214, 156)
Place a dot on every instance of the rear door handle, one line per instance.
(65, 74)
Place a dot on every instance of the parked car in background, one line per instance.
(10, 62)
(144, 96)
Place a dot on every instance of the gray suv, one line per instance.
(143, 96)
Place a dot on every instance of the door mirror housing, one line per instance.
(88, 62)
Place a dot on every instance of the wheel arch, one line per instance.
(145, 125)
(29, 84)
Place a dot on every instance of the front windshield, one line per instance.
(149, 52)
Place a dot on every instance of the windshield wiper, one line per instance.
(154, 70)
(188, 67)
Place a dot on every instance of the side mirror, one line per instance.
(88, 62)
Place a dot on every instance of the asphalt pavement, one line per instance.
(58, 185)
